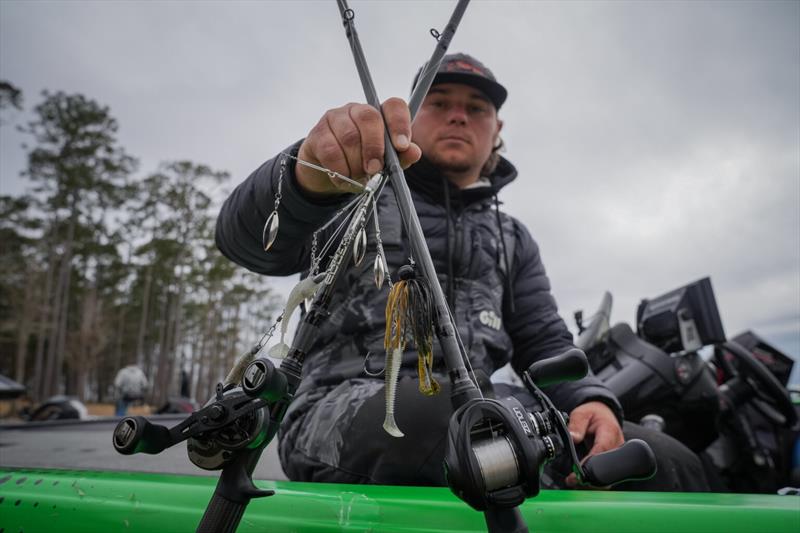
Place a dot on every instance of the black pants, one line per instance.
(679, 468)
(325, 444)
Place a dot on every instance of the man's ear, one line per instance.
(496, 141)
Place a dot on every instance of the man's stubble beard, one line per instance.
(450, 167)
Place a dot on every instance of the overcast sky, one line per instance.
(657, 142)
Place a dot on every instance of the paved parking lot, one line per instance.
(87, 445)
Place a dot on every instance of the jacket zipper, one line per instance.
(455, 252)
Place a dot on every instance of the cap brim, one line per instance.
(496, 92)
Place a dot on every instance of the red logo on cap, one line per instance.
(463, 66)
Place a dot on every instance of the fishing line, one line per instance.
(465, 355)
(236, 372)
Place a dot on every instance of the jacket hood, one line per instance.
(425, 178)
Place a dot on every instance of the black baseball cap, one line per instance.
(465, 69)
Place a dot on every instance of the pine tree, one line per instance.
(80, 174)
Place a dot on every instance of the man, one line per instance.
(487, 262)
(130, 385)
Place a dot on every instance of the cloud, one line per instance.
(657, 142)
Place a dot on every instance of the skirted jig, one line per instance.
(409, 314)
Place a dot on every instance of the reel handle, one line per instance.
(632, 460)
(571, 365)
(135, 434)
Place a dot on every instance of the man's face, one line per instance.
(456, 127)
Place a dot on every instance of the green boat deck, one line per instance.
(67, 501)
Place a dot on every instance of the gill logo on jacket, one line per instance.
(488, 318)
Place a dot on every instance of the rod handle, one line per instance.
(222, 515)
(504, 520)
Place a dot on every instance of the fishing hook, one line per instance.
(371, 374)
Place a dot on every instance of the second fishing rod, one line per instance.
(463, 386)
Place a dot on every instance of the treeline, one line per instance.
(101, 267)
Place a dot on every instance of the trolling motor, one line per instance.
(228, 433)
(496, 449)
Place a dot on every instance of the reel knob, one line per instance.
(135, 434)
(262, 380)
(571, 365)
(632, 460)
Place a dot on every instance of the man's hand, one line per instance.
(350, 140)
(596, 421)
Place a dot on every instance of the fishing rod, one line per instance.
(464, 388)
(307, 331)
(460, 454)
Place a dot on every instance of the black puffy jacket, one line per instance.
(501, 316)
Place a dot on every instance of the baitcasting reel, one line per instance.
(228, 433)
(496, 449)
(495, 452)
(237, 418)
(212, 450)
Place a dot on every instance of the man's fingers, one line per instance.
(369, 123)
(349, 140)
(578, 423)
(398, 121)
(410, 156)
(603, 441)
(329, 153)
(322, 149)
(605, 438)
(348, 137)
(594, 423)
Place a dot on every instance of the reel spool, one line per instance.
(495, 453)
(260, 380)
(212, 450)
(497, 462)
